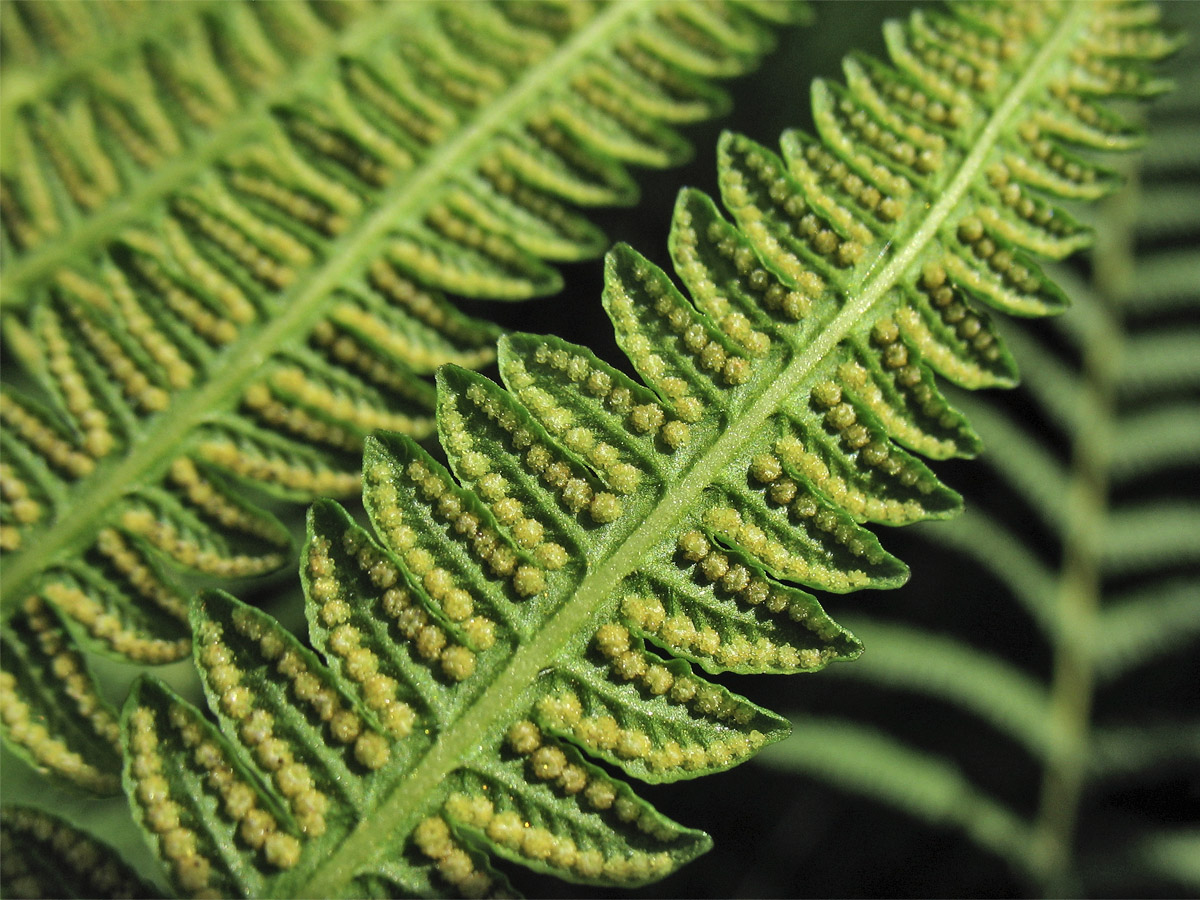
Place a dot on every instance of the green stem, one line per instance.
(412, 797)
(1080, 584)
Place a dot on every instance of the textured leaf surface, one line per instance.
(51, 710)
(43, 856)
(547, 600)
(1091, 528)
(229, 232)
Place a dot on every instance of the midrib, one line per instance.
(1087, 519)
(252, 119)
(409, 801)
(298, 310)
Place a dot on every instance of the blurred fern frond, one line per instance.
(230, 233)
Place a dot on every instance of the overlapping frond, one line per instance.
(230, 231)
(47, 857)
(545, 602)
(1095, 536)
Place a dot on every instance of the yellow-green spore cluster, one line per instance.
(441, 587)
(621, 474)
(605, 736)
(491, 549)
(29, 729)
(845, 486)
(1017, 214)
(311, 688)
(92, 866)
(732, 578)
(966, 349)
(28, 426)
(998, 273)
(852, 200)
(546, 761)
(527, 530)
(433, 838)
(257, 727)
(866, 130)
(129, 561)
(426, 307)
(899, 393)
(322, 403)
(205, 496)
(272, 401)
(20, 507)
(379, 691)
(539, 844)
(649, 301)
(108, 626)
(177, 843)
(259, 464)
(541, 459)
(188, 551)
(693, 242)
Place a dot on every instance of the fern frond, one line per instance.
(927, 787)
(546, 600)
(1160, 362)
(1135, 629)
(1131, 750)
(1174, 211)
(939, 666)
(1169, 852)
(993, 546)
(1174, 854)
(1106, 570)
(47, 857)
(1167, 283)
(229, 238)
(1156, 440)
(1051, 379)
(1030, 469)
(53, 714)
(1153, 536)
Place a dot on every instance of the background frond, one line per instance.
(45, 856)
(924, 785)
(939, 666)
(1173, 855)
(1087, 521)
(230, 236)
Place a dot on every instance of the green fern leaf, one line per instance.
(1174, 854)
(939, 666)
(46, 857)
(228, 233)
(546, 600)
(1101, 554)
(870, 762)
(1131, 749)
(1152, 622)
(53, 714)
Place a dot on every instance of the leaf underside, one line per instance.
(230, 231)
(1089, 522)
(545, 603)
(47, 857)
